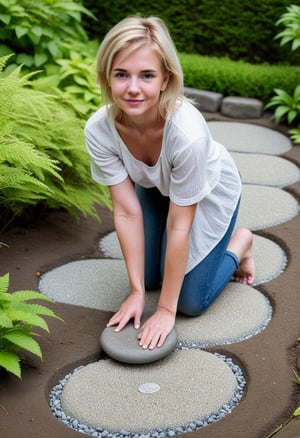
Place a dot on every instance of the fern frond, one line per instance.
(10, 362)
(22, 340)
(27, 295)
(5, 321)
(23, 155)
(23, 315)
(4, 282)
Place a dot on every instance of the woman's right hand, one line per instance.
(132, 308)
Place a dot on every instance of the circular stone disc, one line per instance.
(123, 346)
(239, 313)
(193, 384)
(263, 207)
(266, 170)
(245, 137)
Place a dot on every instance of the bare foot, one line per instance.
(241, 244)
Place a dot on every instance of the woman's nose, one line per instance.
(133, 86)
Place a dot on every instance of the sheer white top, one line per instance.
(192, 169)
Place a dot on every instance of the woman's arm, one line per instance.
(179, 224)
(128, 220)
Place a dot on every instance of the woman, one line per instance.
(175, 191)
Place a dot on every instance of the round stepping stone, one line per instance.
(239, 313)
(192, 385)
(270, 260)
(245, 137)
(95, 283)
(110, 246)
(263, 207)
(123, 346)
(266, 169)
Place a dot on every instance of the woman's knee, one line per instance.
(192, 308)
(196, 304)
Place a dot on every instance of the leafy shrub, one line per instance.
(287, 102)
(49, 35)
(73, 80)
(39, 32)
(236, 77)
(43, 159)
(17, 319)
(206, 27)
(291, 21)
(287, 106)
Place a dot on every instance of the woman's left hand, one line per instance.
(156, 329)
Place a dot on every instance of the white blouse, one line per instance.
(192, 168)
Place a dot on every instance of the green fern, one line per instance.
(43, 159)
(17, 319)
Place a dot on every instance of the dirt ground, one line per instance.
(268, 359)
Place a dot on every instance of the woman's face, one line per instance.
(136, 82)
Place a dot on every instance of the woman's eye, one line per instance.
(148, 75)
(120, 75)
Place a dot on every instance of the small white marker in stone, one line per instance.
(148, 388)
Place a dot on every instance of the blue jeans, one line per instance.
(205, 282)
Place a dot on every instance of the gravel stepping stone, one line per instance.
(239, 313)
(189, 385)
(245, 137)
(263, 207)
(266, 170)
(124, 347)
(270, 260)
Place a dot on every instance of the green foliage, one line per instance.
(17, 319)
(74, 80)
(297, 378)
(43, 159)
(287, 102)
(295, 135)
(287, 106)
(291, 21)
(49, 35)
(208, 27)
(237, 78)
(39, 32)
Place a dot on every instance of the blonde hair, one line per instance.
(130, 34)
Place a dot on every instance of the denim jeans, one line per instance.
(204, 283)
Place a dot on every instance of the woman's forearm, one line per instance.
(130, 233)
(175, 265)
(179, 225)
(128, 220)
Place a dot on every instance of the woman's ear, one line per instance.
(165, 81)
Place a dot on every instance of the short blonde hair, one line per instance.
(130, 34)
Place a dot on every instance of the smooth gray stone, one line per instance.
(241, 107)
(123, 346)
(205, 100)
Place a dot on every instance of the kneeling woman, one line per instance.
(175, 191)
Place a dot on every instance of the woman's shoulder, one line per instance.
(188, 119)
(98, 120)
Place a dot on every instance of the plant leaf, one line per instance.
(25, 341)
(10, 361)
(20, 315)
(25, 295)
(297, 412)
(4, 282)
(5, 321)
